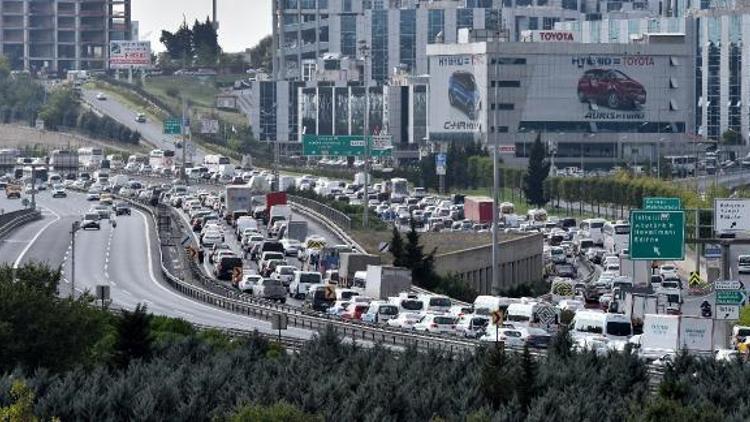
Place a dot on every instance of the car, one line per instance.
(284, 273)
(726, 355)
(225, 266)
(338, 308)
(106, 199)
(512, 337)
(463, 94)
(90, 221)
(437, 323)
(404, 320)
(271, 289)
(122, 208)
(59, 192)
(379, 312)
(140, 118)
(473, 326)
(103, 211)
(611, 88)
(667, 270)
(101, 97)
(248, 282)
(743, 264)
(291, 246)
(92, 196)
(211, 238)
(355, 310)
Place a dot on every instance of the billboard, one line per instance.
(130, 55)
(597, 88)
(462, 81)
(209, 126)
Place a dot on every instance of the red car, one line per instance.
(610, 88)
(355, 311)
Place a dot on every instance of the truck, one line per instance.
(274, 198)
(637, 305)
(296, 230)
(238, 198)
(384, 281)
(247, 162)
(478, 209)
(642, 275)
(670, 333)
(350, 263)
(279, 212)
(259, 184)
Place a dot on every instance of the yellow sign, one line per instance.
(695, 279)
(497, 317)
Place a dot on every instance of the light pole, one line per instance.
(184, 129)
(495, 200)
(76, 226)
(365, 51)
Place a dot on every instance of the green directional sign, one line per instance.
(345, 145)
(657, 235)
(662, 204)
(729, 297)
(173, 126)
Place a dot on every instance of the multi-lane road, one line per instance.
(125, 257)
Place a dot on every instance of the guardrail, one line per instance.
(335, 216)
(12, 220)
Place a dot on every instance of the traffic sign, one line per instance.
(330, 292)
(711, 251)
(730, 297)
(727, 312)
(346, 146)
(191, 251)
(185, 240)
(236, 274)
(497, 317)
(546, 315)
(695, 279)
(728, 285)
(662, 204)
(731, 215)
(507, 149)
(384, 247)
(173, 126)
(657, 235)
(441, 164)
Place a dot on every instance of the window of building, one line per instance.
(408, 49)
(509, 61)
(379, 63)
(505, 106)
(436, 24)
(507, 84)
(465, 18)
(349, 35)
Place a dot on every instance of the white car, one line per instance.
(570, 305)
(248, 281)
(212, 238)
(284, 273)
(101, 97)
(667, 270)
(508, 336)
(291, 246)
(437, 323)
(404, 320)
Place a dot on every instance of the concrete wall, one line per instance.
(520, 262)
(14, 136)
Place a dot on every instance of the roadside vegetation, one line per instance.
(67, 359)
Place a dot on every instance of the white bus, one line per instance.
(212, 162)
(592, 228)
(161, 159)
(399, 189)
(90, 158)
(616, 236)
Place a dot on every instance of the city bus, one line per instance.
(399, 189)
(214, 162)
(90, 157)
(616, 236)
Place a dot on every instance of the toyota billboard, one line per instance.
(596, 88)
(458, 93)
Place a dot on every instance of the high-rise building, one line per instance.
(60, 35)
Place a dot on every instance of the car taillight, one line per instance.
(433, 325)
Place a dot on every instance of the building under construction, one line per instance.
(55, 36)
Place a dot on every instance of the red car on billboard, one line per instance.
(611, 88)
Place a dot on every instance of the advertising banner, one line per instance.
(458, 85)
(130, 55)
(597, 88)
(209, 126)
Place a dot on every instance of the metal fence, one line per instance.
(12, 220)
(335, 216)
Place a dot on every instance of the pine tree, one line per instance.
(134, 340)
(397, 249)
(526, 380)
(422, 266)
(496, 383)
(538, 170)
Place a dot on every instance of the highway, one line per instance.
(125, 257)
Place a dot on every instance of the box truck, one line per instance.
(238, 198)
(296, 230)
(350, 263)
(385, 281)
(670, 333)
(478, 209)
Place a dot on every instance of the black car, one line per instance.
(122, 208)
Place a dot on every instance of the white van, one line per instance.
(301, 283)
(436, 303)
(593, 228)
(485, 305)
(588, 323)
(245, 222)
(407, 302)
(527, 313)
(743, 264)
(360, 279)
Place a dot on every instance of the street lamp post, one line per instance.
(76, 226)
(365, 51)
(495, 202)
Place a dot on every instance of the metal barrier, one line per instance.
(12, 220)
(335, 216)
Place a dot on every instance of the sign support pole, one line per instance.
(699, 246)
(366, 194)
(183, 173)
(495, 199)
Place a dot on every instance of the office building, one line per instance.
(59, 35)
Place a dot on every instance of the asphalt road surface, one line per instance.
(125, 257)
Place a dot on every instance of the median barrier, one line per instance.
(12, 220)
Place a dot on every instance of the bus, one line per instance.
(399, 189)
(592, 228)
(40, 174)
(90, 158)
(616, 236)
(116, 161)
(682, 165)
(213, 162)
(161, 159)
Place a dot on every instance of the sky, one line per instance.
(242, 23)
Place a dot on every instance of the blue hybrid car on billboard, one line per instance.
(463, 94)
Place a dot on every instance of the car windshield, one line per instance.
(443, 320)
(286, 270)
(412, 305)
(743, 332)
(440, 301)
(388, 310)
(618, 328)
(310, 278)
(480, 322)
(348, 294)
(597, 225)
(745, 260)
(269, 282)
(91, 217)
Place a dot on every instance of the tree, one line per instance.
(22, 408)
(538, 170)
(422, 266)
(205, 43)
(731, 137)
(279, 412)
(4, 67)
(179, 45)
(526, 379)
(744, 315)
(261, 56)
(134, 340)
(397, 249)
(496, 382)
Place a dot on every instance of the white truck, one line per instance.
(238, 198)
(279, 212)
(385, 281)
(637, 305)
(670, 333)
(642, 274)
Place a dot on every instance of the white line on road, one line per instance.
(34, 239)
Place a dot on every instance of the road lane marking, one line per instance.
(25, 250)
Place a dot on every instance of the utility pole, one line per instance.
(184, 129)
(495, 203)
(73, 230)
(365, 50)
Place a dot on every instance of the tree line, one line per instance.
(191, 46)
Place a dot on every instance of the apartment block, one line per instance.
(60, 35)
